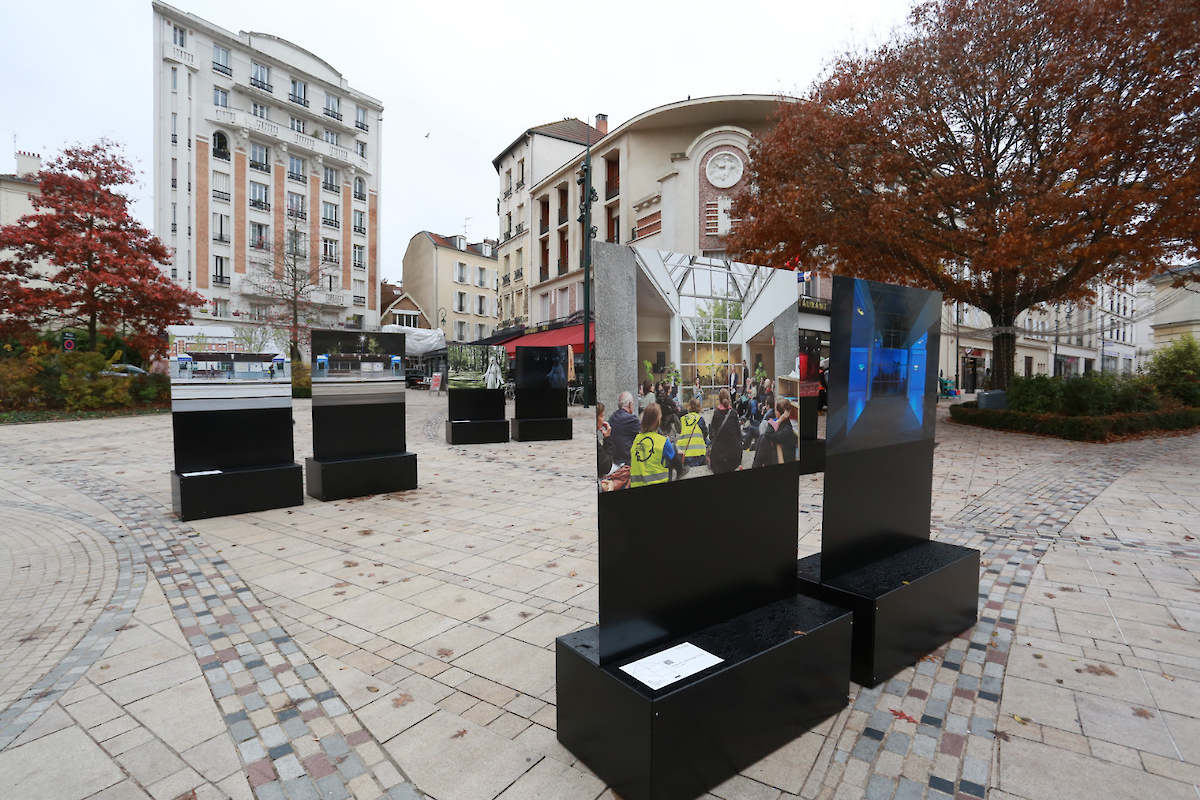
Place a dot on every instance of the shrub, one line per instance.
(84, 388)
(1175, 370)
(1040, 394)
(1089, 395)
(301, 379)
(1080, 428)
(22, 377)
(152, 388)
(1137, 393)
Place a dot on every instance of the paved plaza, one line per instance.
(401, 645)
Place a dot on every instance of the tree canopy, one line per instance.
(82, 261)
(1008, 153)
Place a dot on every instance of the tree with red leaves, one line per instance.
(83, 262)
(1008, 153)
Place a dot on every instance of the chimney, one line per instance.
(602, 124)
(28, 164)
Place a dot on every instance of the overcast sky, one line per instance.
(472, 75)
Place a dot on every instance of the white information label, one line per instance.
(204, 472)
(670, 665)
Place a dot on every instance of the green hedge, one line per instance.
(1079, 429)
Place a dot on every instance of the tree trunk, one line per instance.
(93, 339)
(1004, 352)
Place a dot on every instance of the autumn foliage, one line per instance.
(83, 262)
(1008, 153)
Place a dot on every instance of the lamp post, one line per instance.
(589, 232)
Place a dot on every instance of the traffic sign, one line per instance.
(68, 341)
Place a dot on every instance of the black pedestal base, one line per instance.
(812, 456)
(236, 491)
(480, 431)
(905, 605)
(337, 479)
(679, 741)
(541, 430)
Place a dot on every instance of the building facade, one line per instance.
(266, 163)
(454, 284)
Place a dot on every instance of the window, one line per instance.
(180, 36)
(174, 216)
(260, 111)
(295, 205)
(330, 184)
(333, 137)
(299, 93)
(460, 302)
(259, 311)
(174, 79)
(220, 227)
(362, 148)
(258, 158)
(297, 125)
(359, 289)
(481, 305)
(407, 318)
(220, 307)
(360, 221)
(174, 127)
(260, 236)
(329, 215)
(294, 242)
(174, 172)
(220, 146)
(329, 251)
(220, 97)
(333, 107)
(258, 196)
(460, 331)
(564, 301)
(260, 76)
(481, 276)
(359, 256)
(360, 118)
(221, 60)
(360, 189)
(460, 272)
(219, 276)
(220, 183)
(296, 168)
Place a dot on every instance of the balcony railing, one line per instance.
(521, 183)
(261, 244)
(259, 84)
(520, 228)
(221, 154)
(360, 228)
(519, 274)
(544, 226)
(297, 213)
(562, 266)
(330, 223)
(611, 190)
(174, 138)
(298, 100)
(508, 193)
(504, 237)
(359, 265)
(221, 68)
(360, 300)
(224, 197)
(261, 205)
(562, 216)
(174, 183)
(223, 238)
(544, 274)
(506, 280)
(331, 187)
(362, 126)
(296, 176)
(329, 112)
(174, 227)
(360, 195)
(328, 258)
(261, 166)
(220, 280)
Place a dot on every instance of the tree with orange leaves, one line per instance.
(1008, 153)
(83, 261)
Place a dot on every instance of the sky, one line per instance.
(459, 79)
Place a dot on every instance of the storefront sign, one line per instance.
(814, 306)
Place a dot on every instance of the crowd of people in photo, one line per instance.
(658, 437)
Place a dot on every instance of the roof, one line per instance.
(448, 242)
(568, 130)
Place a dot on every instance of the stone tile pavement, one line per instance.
(401, 645)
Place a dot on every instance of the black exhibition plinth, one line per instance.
(233, 448)
(812, 449)
(726, 587)
(540, 406)
(909, 595)
(476, 416)
(359, 442)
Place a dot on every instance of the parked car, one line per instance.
(416, 379)
(124, 371)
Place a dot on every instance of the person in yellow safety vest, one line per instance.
(693, 435)
(652, 453)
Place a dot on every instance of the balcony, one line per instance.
(262, 245)
(263, 85)
(221, 238)
(508, 193)
(506, 280)
(224, 197)
(360, 229)
(360, 300)
(543, 227)
(223, 69)
(359, 265)
(174, 183)
(562, 216)
(329, 112)
(544, 274)
(220, 280)
(331, 298)
(520, 228)
(563, 266)
(221, 154)
(296, 176)
(297, 213)
(173, 52)
(330, 258)
(174, 138)
(360, 195)
(611, 190)
(331, 187)
(261, 205)
(362, 126)
(521, 183)
(504, 237)
(518, 275)
(298, 99)
(174, 227)
(261, 166)
(330, 223)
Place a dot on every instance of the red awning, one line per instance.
(571, 335)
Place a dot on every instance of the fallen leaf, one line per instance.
(459, 734)
(523, 614)
(341, 585)
(1020, 719)
(1172, 625)
(1144, 713)
(372, 689)
(483, 618)
(349, 563)
(1001, 735)
(901, 715)
(1038, 655)
(572, 574)
(1050, 595)
(402, 700)
(336, 594)
(552, 564)
(444, 652)
(800, 633)
(1100, 669)
(1168, 677)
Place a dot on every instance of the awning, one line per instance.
(571, 335)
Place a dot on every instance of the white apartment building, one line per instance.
(454, 284)
(263, 156)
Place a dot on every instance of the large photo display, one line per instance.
(477, 366)
(707, 397)
(349, 356)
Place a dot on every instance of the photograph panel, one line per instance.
(476, 366)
